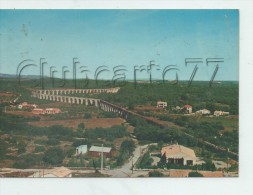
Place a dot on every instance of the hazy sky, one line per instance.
(121, 37)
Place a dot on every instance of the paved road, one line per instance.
(126, 169)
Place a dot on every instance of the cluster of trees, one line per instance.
(146, 162)
(146, 131)
(53, 156)
(107, 133)
(126, 149)
(28, 161)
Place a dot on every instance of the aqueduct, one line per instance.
(61, 95)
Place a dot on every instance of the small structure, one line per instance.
(38, 111)
(203, 112)
(161, 104)
(177, 108)
(52, 110)
(82, 149)
(220, 113)
(46, 111)
(95, 151)
(179, 155)
(188, 108)
(26, 105)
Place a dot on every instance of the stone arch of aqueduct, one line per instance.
(64, 95)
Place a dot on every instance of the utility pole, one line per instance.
(132, 164)
(227, 159)
(102, 158)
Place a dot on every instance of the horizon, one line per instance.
(26, 77)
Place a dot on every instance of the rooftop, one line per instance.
(81, 146)
(59, 172)
(175, 149)
(99, 149)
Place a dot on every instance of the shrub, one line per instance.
(39, 149)
(155, 174)
(195, 174)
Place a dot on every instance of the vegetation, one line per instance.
(145, 162)
(28, 161)
(107, 133)
(126, 150)
(54, 156)
(155, 174)
(195, 174)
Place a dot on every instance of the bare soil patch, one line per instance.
(73, 123)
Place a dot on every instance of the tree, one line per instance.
(162, 162)
(54, 156)
(21, 148)
(81, 126)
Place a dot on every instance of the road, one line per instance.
(126, 169)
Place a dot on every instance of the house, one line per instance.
(203, 112)
(46, 111)
(56, 172)
(220, 113)
(95, 151)
(26, 105)
(188, 108)
(82, 149)
(161, 104)
(38, 111)
(52, 110)
(20, 106)
(179, 155)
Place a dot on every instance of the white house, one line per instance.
(82, 149)
(203, 112)
(161, 104)
(220, 113)
(179, 155)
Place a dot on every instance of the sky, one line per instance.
(110, 38)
